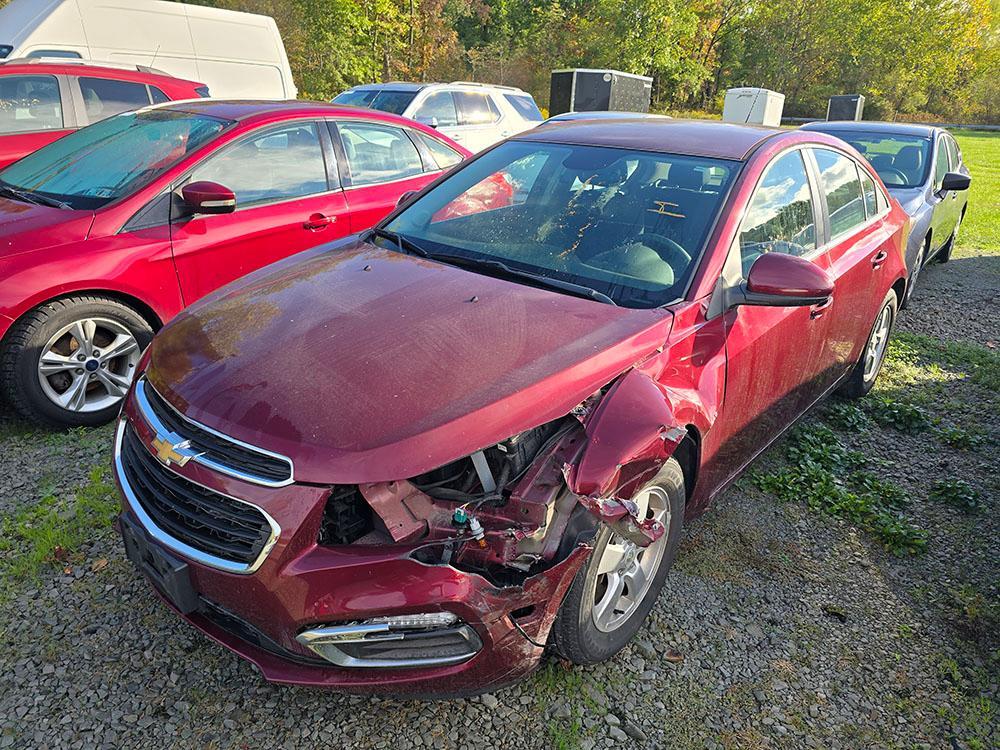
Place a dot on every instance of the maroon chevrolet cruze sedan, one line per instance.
(411, 460)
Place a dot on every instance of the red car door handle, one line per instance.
(319, 221)
(880, 257)
(816, 311)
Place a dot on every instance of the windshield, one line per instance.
(394, 102)
(902, 161)
(111, 159)
(629, 224)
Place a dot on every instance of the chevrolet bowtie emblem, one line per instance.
(170, 453)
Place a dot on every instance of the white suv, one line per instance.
(476, 115)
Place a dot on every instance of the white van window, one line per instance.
(104, 97)
(29, 103)
(378, 153)
(55, 53)
(276, 165)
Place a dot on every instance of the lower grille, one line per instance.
(196, 516)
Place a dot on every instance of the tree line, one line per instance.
(912, 59)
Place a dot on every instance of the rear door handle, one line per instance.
(317, 222)
(880, 257)
(816, 311)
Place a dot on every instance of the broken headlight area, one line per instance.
(418, 640)
(500, 512)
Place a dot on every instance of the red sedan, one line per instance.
(107, 233)
(42, 100)
(411, 461)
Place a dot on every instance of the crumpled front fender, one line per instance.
(630, 434)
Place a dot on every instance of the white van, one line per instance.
(238, 55)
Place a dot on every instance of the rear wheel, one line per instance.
(866, 370)
(70, 362)
(615, 591)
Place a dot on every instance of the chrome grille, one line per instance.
(219, 530)
(214, 450)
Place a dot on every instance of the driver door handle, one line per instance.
(880, 257)
(319, 221)
(816, 311)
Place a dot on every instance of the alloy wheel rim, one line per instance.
(625, 570)
(877, 343)
(88, 365)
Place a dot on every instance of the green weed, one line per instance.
(959, 494)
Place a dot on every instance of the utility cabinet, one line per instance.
(753, 105)
(845, 107)
(589, 90)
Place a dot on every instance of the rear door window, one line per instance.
(29, 103)
(954, 155)
(103, 97)
(475, 108)
(443, 155)
(525, 106)
(841, 186)
(870, 193)
(780, 217)
(378, 153)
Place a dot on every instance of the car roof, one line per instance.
(409, 86)
(246, 109)
(872, 126)
(710, 138)
(34, 66)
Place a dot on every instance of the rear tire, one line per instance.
(592, 624)
(91, 346)
(866, 371)
(918, 264)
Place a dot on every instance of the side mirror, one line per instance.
(405, 197)
(955, 181)
(208, 198)
(782, 280)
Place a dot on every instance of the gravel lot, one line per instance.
(779, 627)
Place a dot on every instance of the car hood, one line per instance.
(368, 365)
(911, 199)
(25, 226)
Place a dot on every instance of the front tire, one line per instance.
(70, 361)
(866, 371)
(614, 592)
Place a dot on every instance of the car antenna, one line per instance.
(155, 53)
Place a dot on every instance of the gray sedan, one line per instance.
(922, 168)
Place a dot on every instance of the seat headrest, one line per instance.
(685, 176)
(909, 159)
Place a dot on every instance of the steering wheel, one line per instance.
(676, 256)
(891, 172)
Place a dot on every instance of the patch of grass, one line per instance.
(981, 228)
(846, 415)
(900, 415)
(979, 364)
(51, 531)
(959, 438)
(815, 475)
(565, 734)
(959, 494)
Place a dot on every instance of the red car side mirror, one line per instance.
(782, 280)
(208, 198)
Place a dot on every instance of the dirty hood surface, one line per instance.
(364, 364)
(25, 226)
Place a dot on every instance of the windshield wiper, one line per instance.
(28, 197)
(566, 286)
(403, 243)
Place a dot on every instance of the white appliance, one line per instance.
(753, 105)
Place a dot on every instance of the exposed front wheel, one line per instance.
(70, 362)
(866, 370)
(615, 591)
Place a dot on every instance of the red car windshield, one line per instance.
(110, 159)
(630, 225)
